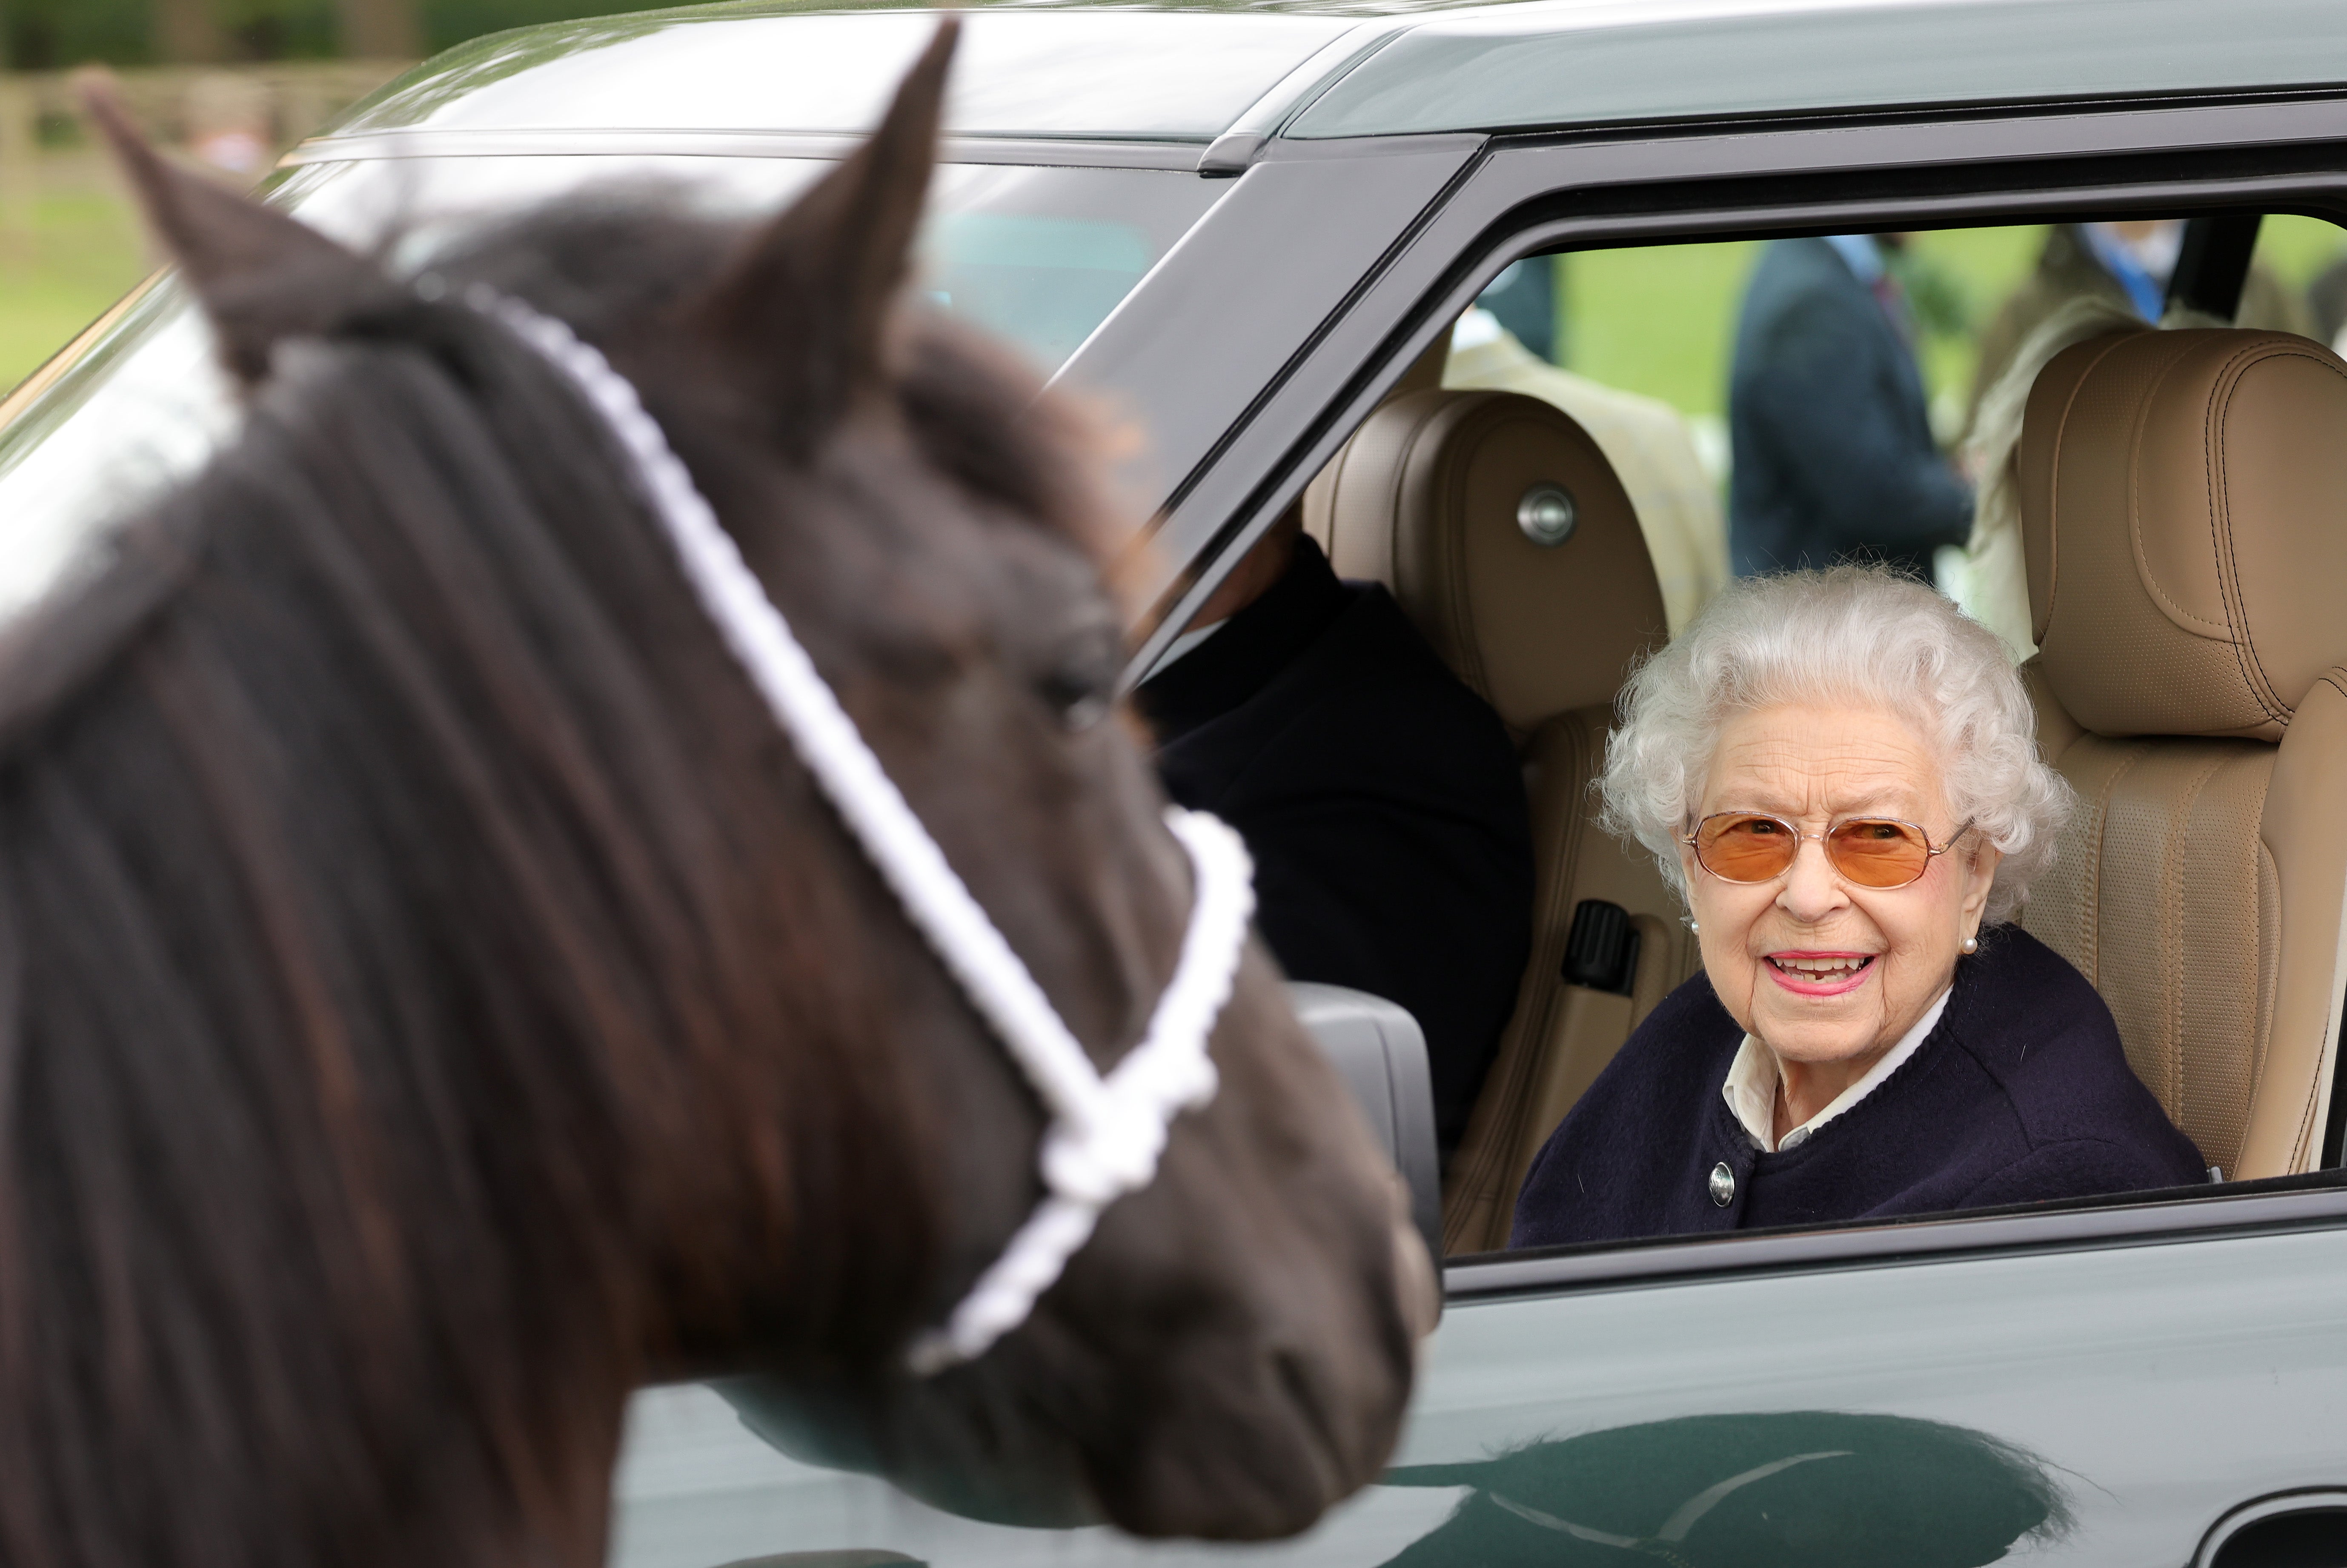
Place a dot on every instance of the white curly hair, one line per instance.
(1858, 635)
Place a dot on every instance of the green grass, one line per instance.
(82, 252)
(2298, 248)
(1982, 266)
(1661, 320)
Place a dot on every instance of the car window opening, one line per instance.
(1602, 446)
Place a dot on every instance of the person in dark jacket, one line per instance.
(1832, 437)
(1840, 771)
(1380, 798)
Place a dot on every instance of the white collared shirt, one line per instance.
(1751, 1087)
(1861, 254)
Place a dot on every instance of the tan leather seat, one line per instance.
(1425, 498)
(2184, 512)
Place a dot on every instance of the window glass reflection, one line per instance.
(1040, 256)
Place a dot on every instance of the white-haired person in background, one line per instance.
(1839, 770)
(1987, 575)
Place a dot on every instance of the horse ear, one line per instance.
(806, 306)
(260, 275)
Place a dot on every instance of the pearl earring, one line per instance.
(1970, 945)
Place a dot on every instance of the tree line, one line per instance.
(55, 34)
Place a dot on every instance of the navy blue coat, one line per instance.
(1381, 800)
(1832, 439)
(2021, 1093)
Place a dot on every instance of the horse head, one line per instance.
(442, 1000)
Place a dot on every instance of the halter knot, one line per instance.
(1105, 1157)
(1113, 1148)
(1106, 1134)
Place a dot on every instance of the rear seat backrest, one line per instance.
(2183, 513)
(1426, 499)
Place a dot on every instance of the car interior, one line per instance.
(1424, 498)
(2166, 480)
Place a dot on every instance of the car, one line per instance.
(1240, 230)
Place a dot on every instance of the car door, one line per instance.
(2157, 1380)
(2089, 1387)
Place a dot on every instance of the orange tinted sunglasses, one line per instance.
(1868, 851)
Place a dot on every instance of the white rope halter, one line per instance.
(1105, 1134)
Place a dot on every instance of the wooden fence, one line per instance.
(268, 106)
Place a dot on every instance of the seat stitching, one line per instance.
(2220, 544)
(1397, 486)
(2171, 926)
(1454, 566)
(2336, 678)
(1398, 489)
(2299, 1145)
(2247, 639)
(2269, 989)
(2245, 654)
(1488, 1175)
(2054, 490)
(2134, 513)
(1551, 980)
(2302, 1147)
(2091, 943)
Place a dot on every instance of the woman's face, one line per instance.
(1820, 969)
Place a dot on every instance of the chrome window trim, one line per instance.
(1691, 184)
(1497, 68)
(1289, 96)
(1531, 192)
(2285, 1204)
(1174, 155)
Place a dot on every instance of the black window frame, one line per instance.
(1524, 195)
(1521, 194)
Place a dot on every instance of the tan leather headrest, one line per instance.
(2184, 516)
(1438, 495)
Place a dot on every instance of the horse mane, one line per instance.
(393, 869)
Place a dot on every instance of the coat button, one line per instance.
(1723, 1184)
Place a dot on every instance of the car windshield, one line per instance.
(1038, 255)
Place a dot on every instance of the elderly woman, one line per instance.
(1837, 769)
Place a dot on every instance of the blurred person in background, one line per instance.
(1522, 301)
(2127, 265)
(2326, 302)
(1989, 578)
(1834, 457)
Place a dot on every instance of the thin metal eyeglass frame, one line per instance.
(1693, 842)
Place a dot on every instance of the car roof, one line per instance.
(1322, 68)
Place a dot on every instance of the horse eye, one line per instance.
(1081, 685)
(1086, 713)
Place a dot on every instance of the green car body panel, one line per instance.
(2091, 1387)
(2106, 1403)
(2088, 1385)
